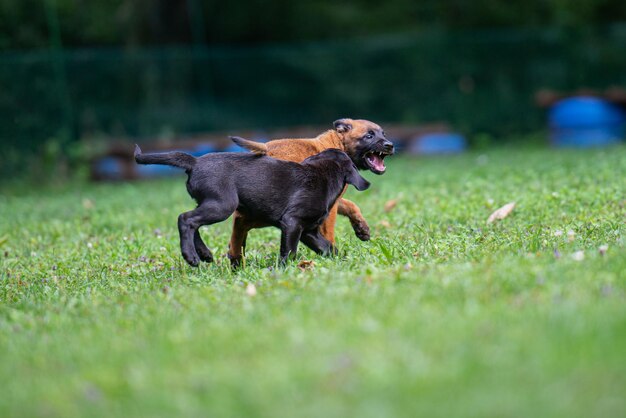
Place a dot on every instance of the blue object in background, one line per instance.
(200, 150)
(157, 170)
(109, 168)
(438, 143)
(234, 148)
(585, 122)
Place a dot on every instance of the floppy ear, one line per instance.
(342, 125)
(355, 179)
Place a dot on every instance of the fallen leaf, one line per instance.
(571, 235)
(88, 204)
(502, 212)
(603, 249)
(385, 224)
(579, 255)
(390, 205)
(306, 265)
(251, 289)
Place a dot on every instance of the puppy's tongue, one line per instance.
(376, 161)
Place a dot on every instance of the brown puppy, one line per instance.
(362, 140)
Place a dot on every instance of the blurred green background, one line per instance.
(72, 70)
(439, 315)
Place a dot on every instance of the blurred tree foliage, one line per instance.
(129, 23)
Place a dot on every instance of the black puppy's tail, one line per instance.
(255, 147)
(176, 158)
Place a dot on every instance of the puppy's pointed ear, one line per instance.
(342, 125)
(355, 179)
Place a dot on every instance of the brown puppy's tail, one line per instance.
(255, 147)
(176, 158)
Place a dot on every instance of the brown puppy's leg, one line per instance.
(238, 239)
(359, 224)
(327, 229)
(237, 245)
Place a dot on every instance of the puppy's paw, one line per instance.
(329, 251)
(205, 255)
(192, 259)
(235, 262)
(361, 230)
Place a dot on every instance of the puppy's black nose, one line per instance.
(388, 146)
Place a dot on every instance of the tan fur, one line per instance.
(255, 147)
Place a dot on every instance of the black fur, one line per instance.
(177, 159)
(293, 197)
(373, 141)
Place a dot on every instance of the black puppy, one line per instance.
(293, 197)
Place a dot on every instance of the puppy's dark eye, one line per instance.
(370, 135)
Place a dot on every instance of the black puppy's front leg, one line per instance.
(203, 251)
(316, 241)
(289, 238)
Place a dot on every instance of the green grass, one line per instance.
(439, 315)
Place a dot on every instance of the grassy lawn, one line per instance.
(439, 315)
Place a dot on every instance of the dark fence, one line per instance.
(476, 81)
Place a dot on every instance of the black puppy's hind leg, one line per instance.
(290, 235)
(316, 242)
(189, 222)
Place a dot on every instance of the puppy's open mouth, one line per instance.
(376, 161)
